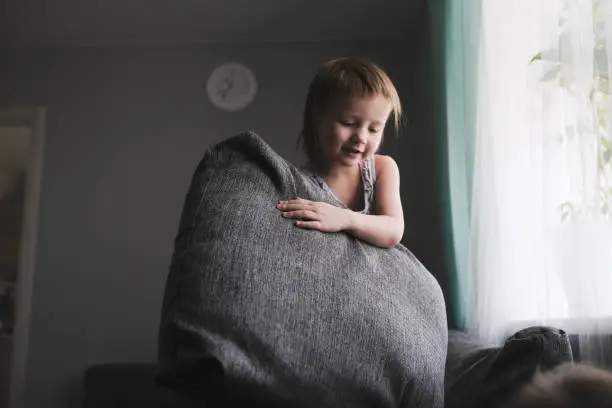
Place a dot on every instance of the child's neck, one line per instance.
(331, 172)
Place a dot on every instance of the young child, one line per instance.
(566, 386)
(348, 105)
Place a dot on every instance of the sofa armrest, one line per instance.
(480, 375)
(468, 363)
(123, 386)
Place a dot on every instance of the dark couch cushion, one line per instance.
(468, 364)
(483, 376)
(124, 386)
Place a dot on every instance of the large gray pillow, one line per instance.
(259, 312)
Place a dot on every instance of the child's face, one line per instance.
(352, 129)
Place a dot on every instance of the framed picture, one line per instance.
(14, 144)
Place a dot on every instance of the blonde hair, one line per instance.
(344, 78)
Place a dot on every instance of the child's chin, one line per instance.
(353, 157)
(351, 162)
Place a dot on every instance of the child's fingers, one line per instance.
(297, 200)
(294, 206)
(303, 214)
(314, 225)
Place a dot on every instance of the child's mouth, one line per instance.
(353, 150)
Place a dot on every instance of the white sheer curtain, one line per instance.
(541, 220)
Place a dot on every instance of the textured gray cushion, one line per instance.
(259, 311)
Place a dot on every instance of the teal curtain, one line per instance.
(455, 30)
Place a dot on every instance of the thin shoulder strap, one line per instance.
(368, 173)
(372, 165)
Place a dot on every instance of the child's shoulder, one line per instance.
(384, 163)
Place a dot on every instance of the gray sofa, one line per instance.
(259, 312)
(477, 375)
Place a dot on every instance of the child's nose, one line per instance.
(361, 135)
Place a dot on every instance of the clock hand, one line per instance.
(225, 90)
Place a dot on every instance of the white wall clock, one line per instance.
(231, 86)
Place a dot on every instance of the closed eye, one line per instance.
(346, 123)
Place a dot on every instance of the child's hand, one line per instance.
(315, 215)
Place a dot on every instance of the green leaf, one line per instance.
(551, 55)
(537, 57)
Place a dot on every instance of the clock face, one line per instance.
(231, 86)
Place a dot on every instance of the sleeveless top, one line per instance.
(368, 180)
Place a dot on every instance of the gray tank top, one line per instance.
(368, 180)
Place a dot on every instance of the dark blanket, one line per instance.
(257, 311)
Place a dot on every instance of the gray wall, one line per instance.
(125, 129)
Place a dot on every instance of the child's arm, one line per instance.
(386, 228)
